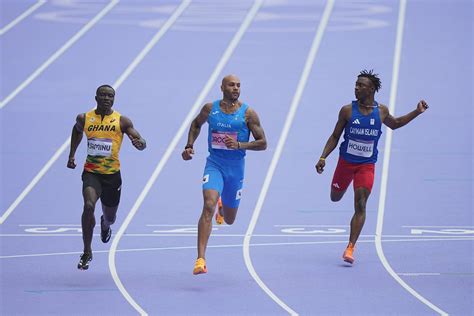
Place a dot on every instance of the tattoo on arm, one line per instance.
(197, 123)
(253, 123)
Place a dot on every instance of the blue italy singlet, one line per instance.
(221, 124)
(361, 136)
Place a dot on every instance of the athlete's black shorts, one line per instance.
(107, 186)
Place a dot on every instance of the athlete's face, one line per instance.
(105, 98)
(363, 88)
(231, 88)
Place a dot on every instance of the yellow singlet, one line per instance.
(104, 138)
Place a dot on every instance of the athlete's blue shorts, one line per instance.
(226, 177)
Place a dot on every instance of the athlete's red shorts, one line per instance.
(362, 174)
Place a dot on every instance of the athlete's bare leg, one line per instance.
(88, 219)
(205, 221)
(360, 201)
(110, 214)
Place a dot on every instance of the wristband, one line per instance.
(322, 159)
(238, 145)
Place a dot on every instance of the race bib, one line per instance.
(360, 148)
(218, 139)
(99, 147)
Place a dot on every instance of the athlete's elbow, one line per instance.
(397, 126)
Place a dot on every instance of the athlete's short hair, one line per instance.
(372, 77)
(103, 86)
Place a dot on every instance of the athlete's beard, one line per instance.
(229, 95)
(234, 99)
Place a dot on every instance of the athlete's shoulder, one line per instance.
(207, 108)
(80, 122)
(124, 118)
(125, 123)
(346, 112)
(250, 112)
(248, 108)
(383, 107)
(81, 118)
(346, 107)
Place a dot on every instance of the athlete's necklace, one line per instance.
(367, 106)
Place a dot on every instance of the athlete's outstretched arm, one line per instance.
(397, 122)
(126, 126)
(344, 114)
(76, 137)
(194, 131)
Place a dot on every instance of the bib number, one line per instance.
(217, 141)
(360, 148)
(99, 147)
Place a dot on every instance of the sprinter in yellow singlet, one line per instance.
(104, 129)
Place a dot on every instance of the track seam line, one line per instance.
(225, 246)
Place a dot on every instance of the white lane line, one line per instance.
(59, 52)
(49, 225)
(194, 234)
(440, 226)
(22, 16)
(276, 156)
(419, 273)
(171, 225)
(290, 225)
(169, 151)
(65, 145)
(213, 246)
(386, 162)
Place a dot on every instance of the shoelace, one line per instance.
(201, 262)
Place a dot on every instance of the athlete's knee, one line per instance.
(336, 195)
(209, 205)
(110, 219)
(360, 199)
(109, 213)
(360, 204)
(89, 207)
(229, 221)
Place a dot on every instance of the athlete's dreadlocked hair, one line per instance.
(372, 77)
(103, 86)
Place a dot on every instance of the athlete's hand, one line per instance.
(71, 164)
(422, 106)
(230, 142)
(138, 143)
(188, 153)
(320, 166)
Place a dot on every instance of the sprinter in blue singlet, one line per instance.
(230, 124)
(361, 123)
